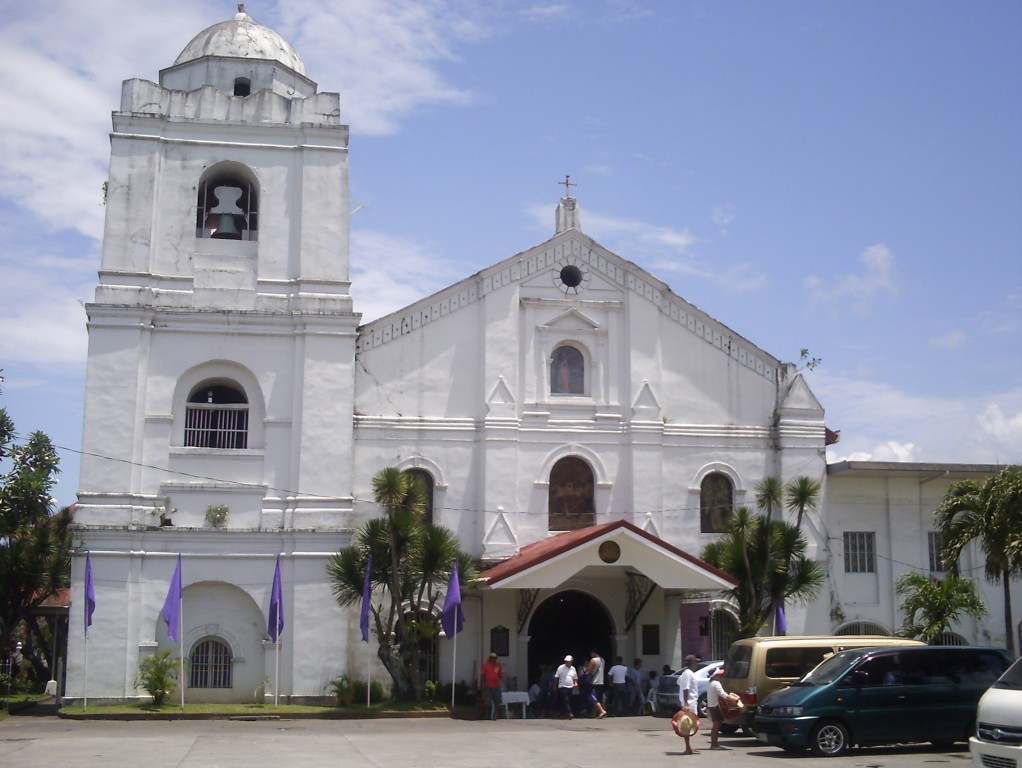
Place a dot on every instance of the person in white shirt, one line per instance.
(714, 693)
(619, 685)
(567, 679)
(688, 693)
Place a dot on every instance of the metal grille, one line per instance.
(211, 665)
(723, 632)
(216, 425)
(860, 551)
(936, 563)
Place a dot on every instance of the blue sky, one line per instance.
(841, 176)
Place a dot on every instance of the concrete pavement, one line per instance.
(647, 742)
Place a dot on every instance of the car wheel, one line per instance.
(829, 739)
(701, 706)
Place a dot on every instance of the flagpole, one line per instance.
(454, 666)
(86, 704)
(276, 675)
(181, 646)
(369, 676)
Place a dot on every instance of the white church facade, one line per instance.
(582, 429)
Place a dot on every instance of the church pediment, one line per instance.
(572, 320)
(616, 548)
(800, 399)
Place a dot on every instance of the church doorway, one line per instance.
(569, 622)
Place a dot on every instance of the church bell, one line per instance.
(227, 227)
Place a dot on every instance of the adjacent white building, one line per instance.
(584, 430)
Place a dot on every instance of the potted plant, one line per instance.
(217, 514)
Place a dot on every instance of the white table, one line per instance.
(515, 697)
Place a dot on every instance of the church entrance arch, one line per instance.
(568, 622)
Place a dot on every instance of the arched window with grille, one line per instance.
(211, 664)
(571, 499)
(216, 416)
(227, 207)
(716, 502)
(863, 628)
(428, 486)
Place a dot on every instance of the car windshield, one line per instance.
(1012, 679)
(831, 669)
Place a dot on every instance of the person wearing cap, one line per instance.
(688, 693)
(492, 673)
(567, 682)
(714, 693)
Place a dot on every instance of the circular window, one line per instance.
(610, 552)
(571, 276)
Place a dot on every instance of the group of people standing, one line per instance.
(589, 688)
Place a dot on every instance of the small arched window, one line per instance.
(427, 483)
(211, 664)
(227, 207)
(716, 502)
(571, 499)
(216, 417)
(567, 371)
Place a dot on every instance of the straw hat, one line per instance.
(686, 724)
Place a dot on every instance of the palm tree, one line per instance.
(801, 493)
(930, 605)
(412, 563)
(990, 513)
(769, 564)
(769, 493)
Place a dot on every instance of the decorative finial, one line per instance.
(567, 184)
(241, 7)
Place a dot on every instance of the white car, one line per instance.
(669, 696)
(998, 737)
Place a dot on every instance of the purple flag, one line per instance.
(276, 622)
(452, 619)
(781, 627)
(90, 594)
(172, 605)
(366, 600)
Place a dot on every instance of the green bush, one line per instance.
(349, 692)
(156, 675)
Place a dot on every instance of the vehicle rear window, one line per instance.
(737, 663)
(792, 662)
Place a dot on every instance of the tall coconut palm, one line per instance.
(989, 513)
(412, 563)
(763, 579)
(931, 606)
(801, 493)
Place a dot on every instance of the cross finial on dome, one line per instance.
(568, 184)
(241, 7)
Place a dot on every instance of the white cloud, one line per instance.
(722, 216)
(883, 422)
(858, 290)
(951, 340)
(389, 273)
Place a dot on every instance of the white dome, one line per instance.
(242, 37)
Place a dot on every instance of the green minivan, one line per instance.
(891, 695)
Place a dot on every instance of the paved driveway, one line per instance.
(642, 742)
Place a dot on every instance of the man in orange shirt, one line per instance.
(491, 674)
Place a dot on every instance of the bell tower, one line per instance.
(221, 336)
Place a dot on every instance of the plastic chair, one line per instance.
(650, 702)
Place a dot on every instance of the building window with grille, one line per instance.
(216, 417)
(860, 552)
(935, 543)
(716, 501)
(227, 207)
(211, 664)
(428, 487)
